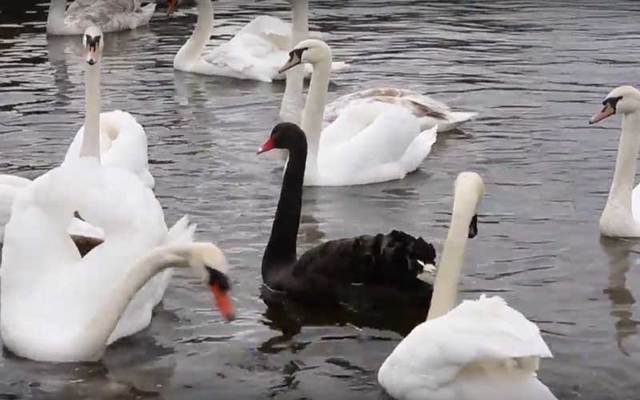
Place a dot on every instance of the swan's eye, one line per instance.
(612, 101)
(298, 52)
(218, 278)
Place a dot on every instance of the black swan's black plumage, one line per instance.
(333, 272)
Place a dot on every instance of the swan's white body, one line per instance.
(57, 306)
(366, 143)
(123, 144)
(51, 296)
(479, 350)
(256, 52)
(108, 15)
(621, 214)
(10, 185)
(429, 112)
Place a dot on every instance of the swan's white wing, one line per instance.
(123, 144)
(257, 51)
(368, 145)
(429, 111)
(9, 187)
(138, 314)
(433, 355)
(49, 294)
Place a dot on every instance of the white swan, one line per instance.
(122, 140)
(621, 214)
(108, 15)
(256, 52)
(479, 350)
(123, 144)
(367, 143)
(59, 307)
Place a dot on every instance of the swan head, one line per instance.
(621, 100)
(285, 135)
(211, 265)
(93, 42)
(310, 51)
(469, 189)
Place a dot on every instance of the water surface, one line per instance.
(535, 71)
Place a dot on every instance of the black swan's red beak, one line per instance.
(266, 146)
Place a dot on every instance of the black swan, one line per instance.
(381, 265)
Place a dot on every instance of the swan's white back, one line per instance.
(480, 350)
(358, 148)
(430, 112)
(123, 144)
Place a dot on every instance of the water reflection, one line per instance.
(132, 367)
(621, 258)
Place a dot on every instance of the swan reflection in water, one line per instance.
(132, 368)
(621, 256)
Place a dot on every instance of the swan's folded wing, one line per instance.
(429, 111)
(256, 52)
(485, 330)
(394, 259)
(125, 144)
(388, 131)
(272, 29)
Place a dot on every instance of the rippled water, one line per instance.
(533, 70)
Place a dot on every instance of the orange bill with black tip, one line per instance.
(223, 299)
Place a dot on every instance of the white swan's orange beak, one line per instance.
(606, 112)
(223, 299)
(266, 146)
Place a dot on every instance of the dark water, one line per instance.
(535, 71)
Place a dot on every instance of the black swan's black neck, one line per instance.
(281, 249)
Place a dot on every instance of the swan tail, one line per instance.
(182, 232)
(454, 120)
(419, 149)
(395, 257)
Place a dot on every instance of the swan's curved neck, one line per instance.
(281, 249)
(625, 171)
(293, 100)
(91, 137)
(106, 319)
(314, 111)
(55, 18)
(445, 290)
(190, 52)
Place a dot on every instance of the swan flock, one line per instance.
(87, 253)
